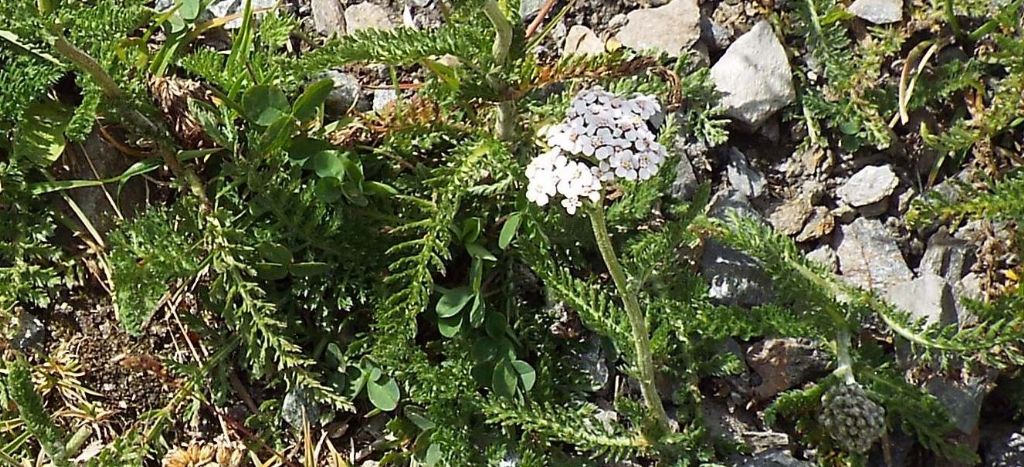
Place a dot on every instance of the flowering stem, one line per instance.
(845, 368)
(502, 44)
(641, 341)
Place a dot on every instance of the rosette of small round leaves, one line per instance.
(853, 420)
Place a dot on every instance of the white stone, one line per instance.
(367, 15)
(671, 28)
(754, 76)
(878, 11)
(581, 40)
(869, 186)
(383, 98)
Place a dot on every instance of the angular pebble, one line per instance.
(581, 40)
(328, 17)
(671, 28)
(820, 224)
(785, 363)
(825, 256)
(962, 399)
(735, 278)
(868, 186)
(869, 256)
(367, 15)
(754, 76)
(742, 176)
(529, 8)
(878, 11)
(947, 256)
(927, 298)
(789, 217)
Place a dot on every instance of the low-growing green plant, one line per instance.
(421, 262)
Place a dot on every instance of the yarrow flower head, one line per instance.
(603, 138)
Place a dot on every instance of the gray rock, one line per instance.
(868, 186)
(825, 256)
(345, 93)
(716, 36)
(962, 399)
(592, 362)
(897, 451)
(820, 224)
(971, 286)
(739, 426)
(927, 298)
(1004, 448)
(947, 256)
(728, 201)
(778, 458)
(905, 200)
(874, 209)
(670, 29)
(789, 217)
(754, 76)
(30, 332)
(735, 278)
(785, 363)
(383, 98)
(869, 256)
(529, 8)
(224, 8)
(96, 158)
(844, 213)
(742, 176)
(367, 15)
(582, 41)
(617, 22)
(878, 11)
(328, 17)
(685, 184)
(297, 408)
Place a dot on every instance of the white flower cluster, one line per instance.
(604, 137)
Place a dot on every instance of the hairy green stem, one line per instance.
(845, 367)
(503, 31)
(641, 340)
(46, 6)
(89, 65)
(950, 15)
(78, 440)
(505, 123)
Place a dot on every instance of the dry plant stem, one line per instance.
(112, 91)
(641, 340)
(541, 14)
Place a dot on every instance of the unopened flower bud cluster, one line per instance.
(603, 138)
